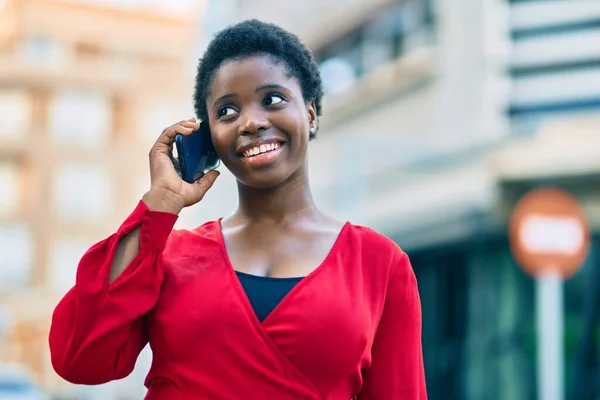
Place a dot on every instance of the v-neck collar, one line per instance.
(291, 294)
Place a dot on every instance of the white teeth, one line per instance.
(263, 148)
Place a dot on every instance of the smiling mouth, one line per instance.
(261, 150)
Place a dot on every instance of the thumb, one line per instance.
(204, 184)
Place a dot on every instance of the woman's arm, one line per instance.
(99, 327)
(396, 371)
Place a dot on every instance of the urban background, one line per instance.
(439, 115)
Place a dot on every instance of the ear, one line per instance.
(313, 120)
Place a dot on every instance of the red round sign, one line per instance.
(549, 233)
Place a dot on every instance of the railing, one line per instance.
(395, 30)
(555, 64)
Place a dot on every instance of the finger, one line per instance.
(175, 161)
(205, 183)
(189, 124)
(167, 137)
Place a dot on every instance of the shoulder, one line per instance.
(206, 234)
(384, 263)
(374, 243)
(380, 256)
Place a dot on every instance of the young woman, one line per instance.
(277, 301)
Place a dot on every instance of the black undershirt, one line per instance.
(264, 293)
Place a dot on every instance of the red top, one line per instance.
(350, 328)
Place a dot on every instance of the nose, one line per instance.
(253, 121)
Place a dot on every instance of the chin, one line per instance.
(264, 179)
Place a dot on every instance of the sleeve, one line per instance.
(98, 330)
(396, 371)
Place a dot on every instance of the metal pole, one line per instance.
(549, 305)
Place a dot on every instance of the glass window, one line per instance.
(379, 45)
(65, 256)
(582, 327)
(478, 321)
(38, 49)
(81, 118)
(396, 29)
(158, 116)
(338, 75)
(9, 188)
(16, 253)
(82, 191)
(14, 114)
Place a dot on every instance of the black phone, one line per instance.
(196, 154)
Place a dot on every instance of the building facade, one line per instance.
(85, 89)
(438, 117)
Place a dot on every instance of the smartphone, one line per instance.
(196, 154)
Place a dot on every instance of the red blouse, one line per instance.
(350, 328)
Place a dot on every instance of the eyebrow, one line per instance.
(270, 86)
(224, 97)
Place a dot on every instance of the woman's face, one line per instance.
(260, 123)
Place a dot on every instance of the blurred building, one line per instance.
(438, 116)
(85, 89)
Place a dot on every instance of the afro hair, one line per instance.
(251, 38)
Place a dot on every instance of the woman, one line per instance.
(277, 301)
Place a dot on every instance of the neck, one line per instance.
(289, 200)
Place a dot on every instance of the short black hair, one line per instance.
(254, 37)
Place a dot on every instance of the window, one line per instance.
(381, 38)
(554, 59)
(338, 75)
(398, 28)
(14, 114)
(38, 49)
(9, 188)
(582, 320)
(65, 256)
(81, 118)
(159, 116)
(16, 253)
(478, 321)
(82, 192)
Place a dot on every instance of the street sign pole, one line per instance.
(549, 307)
(550, 237)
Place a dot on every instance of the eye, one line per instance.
(273, 99)
(225, 111)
